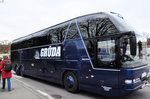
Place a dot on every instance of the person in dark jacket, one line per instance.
(5, 75)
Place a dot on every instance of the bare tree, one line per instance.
(5, 46)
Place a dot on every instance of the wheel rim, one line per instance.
(70, 81)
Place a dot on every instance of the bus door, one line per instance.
(104, 75)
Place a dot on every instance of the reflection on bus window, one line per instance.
(125, 49)
(140, 48)
(129, 61)
(106, 54)
(96, 27)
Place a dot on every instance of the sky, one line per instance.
(22, 17)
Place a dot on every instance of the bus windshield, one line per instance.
(128, 60)
(121, 24)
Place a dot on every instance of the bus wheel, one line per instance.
(17, 70)
(70, 82)
(22, 71)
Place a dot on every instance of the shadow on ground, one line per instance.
(135, 95)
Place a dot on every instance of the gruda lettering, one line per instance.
(51, 52)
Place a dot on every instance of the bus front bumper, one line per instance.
(138, 87)
(126, 91)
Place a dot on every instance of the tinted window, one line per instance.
(102, 53)
(13, 46)
(51, 35)
(94, 27)
(72, 32)
(106, 54)
(57, 34)
(41, 39)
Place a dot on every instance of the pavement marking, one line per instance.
(13, 71)
(17, 76)
(45, 94)
(33, 89)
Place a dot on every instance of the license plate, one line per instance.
(143, 74)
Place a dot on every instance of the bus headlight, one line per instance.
(128, 81)
(132, 81)
(136, 80)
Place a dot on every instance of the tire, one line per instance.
(70, 82)
(17, 70)
(21, 71)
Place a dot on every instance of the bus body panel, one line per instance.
(104, 82)
(49, 68)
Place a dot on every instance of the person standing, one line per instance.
(0, 70)
(0, 75)
(5, 74)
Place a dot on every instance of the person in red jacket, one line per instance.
(5, 75)
(0, 70)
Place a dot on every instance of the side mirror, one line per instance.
(133, 45)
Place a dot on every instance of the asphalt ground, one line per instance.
(19, 91)
(31, 88)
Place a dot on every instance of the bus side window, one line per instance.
(53, 36)
(72, 32)
(84, 29)
(90, 28)
(30, 43)
(57, 34)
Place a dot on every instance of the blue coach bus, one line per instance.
(99, 53)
